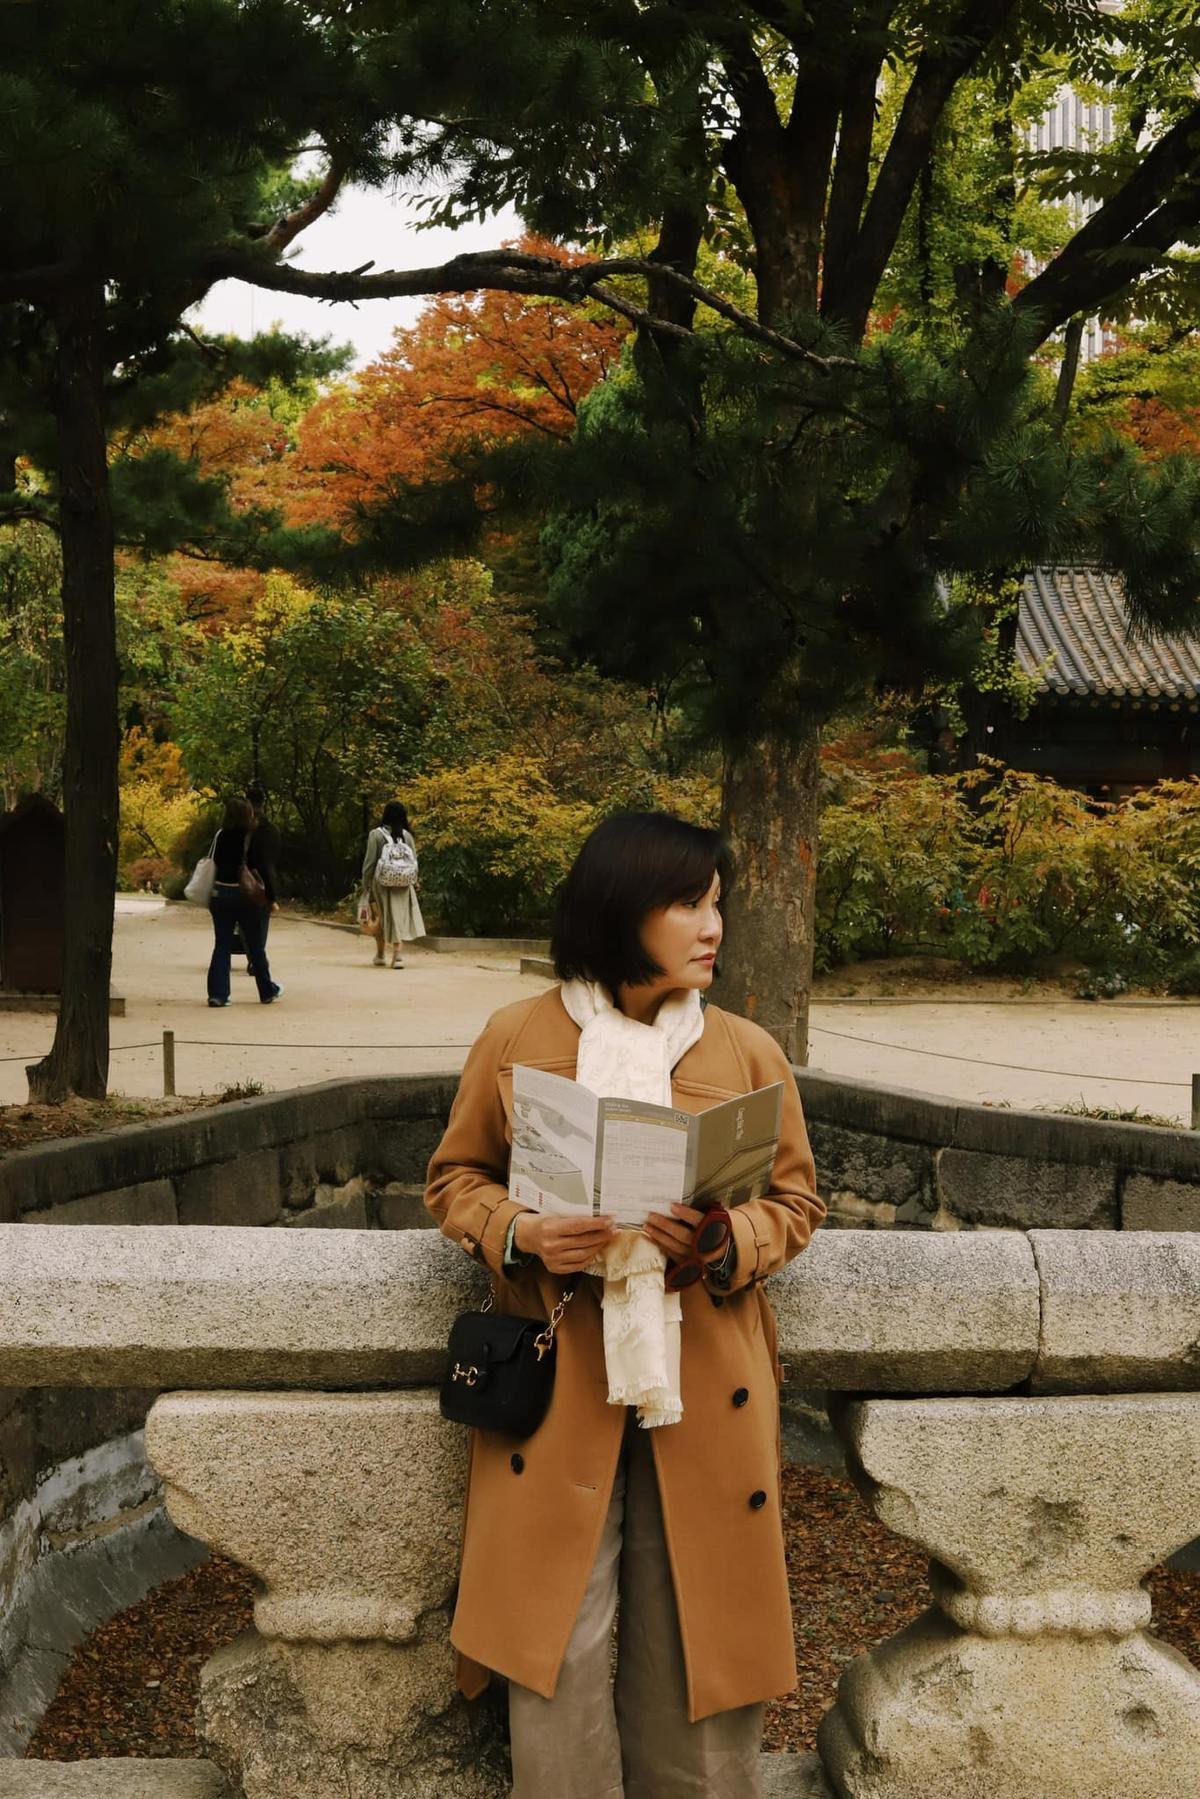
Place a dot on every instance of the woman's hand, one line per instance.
(565, 1245)
(674, 1234)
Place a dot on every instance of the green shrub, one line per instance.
(1184, 978)
(495, 842)
(890, 867)
(1000, 868)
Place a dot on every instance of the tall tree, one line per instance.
(877, 457)
(137, 137)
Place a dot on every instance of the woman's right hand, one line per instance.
(564, 1245)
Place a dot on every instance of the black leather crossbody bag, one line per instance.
(500, 1369)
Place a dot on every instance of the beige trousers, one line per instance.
(630, 1739)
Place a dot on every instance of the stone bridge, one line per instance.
(1024, 1405)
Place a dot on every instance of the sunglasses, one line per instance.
(709, 1238)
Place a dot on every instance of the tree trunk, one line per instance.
(78, 1058)
(769, 818)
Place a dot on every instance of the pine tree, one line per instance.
(138, 138)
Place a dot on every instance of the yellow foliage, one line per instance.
(496, 840)
(144, 759)
(152, 821)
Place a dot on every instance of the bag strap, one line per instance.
(545, 1337)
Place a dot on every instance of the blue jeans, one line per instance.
(231, 912)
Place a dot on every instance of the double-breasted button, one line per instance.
(517, 1463)
(741, 1396)
(718, 1299)
(758, 1500)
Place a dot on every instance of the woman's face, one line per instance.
(683, 938)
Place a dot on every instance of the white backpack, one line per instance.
(397, 864)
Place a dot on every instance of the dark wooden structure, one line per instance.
(32, 898)
(1115, 710)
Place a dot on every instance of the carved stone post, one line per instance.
(1033, 1673)
(347, 1508)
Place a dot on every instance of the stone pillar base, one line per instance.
(937, 1709)
(255, 1723)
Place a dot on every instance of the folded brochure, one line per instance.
(573, 1153)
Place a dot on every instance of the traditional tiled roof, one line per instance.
(1073, 638)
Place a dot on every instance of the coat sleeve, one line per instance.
(369, 860)
(467, 1184)
(768, 1232)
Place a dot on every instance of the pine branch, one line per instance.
(516, 272)
(286, 229)
(1125, 236)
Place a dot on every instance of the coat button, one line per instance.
(741, 1396)
(718, 1299)
(517, 1464)
(758, 1500)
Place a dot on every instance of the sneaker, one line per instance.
(275, 993)
(218, 1002)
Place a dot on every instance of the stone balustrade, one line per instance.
(1025, 1406)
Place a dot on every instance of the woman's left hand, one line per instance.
(673, 1234)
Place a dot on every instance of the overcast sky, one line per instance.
(366, 225)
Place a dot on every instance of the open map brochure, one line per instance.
(573, 1153)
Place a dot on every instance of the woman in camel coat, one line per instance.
(697, 1500)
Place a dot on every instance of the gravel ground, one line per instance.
(131, 1687)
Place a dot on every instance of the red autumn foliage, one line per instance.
(480, 367)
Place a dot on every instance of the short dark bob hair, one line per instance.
(631, 865)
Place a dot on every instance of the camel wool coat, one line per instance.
(536, 1508)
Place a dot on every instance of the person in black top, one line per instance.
(234, 849)
(266, 852)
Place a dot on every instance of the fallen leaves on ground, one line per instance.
(132, 1686)
(21, 1126)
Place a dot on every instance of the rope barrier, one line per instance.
(943, 1055)
(946, 1055)
(233, 1043)
(225, 1043)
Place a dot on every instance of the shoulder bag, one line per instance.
(199, 889)
(251, 885)
(500, 1369)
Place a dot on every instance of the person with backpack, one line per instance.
(389, 885)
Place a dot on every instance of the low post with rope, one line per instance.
(168, 1064)
(1196, 1102)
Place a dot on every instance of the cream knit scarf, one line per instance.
(622, 1059)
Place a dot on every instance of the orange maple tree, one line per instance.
(235, 438)
(480, 367)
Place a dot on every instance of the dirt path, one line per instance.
(341, 1016)
(1109, 1054)
(338, 1015)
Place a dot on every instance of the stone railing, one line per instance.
(1023, 1406)
(349, 1151)
(890, 1159)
